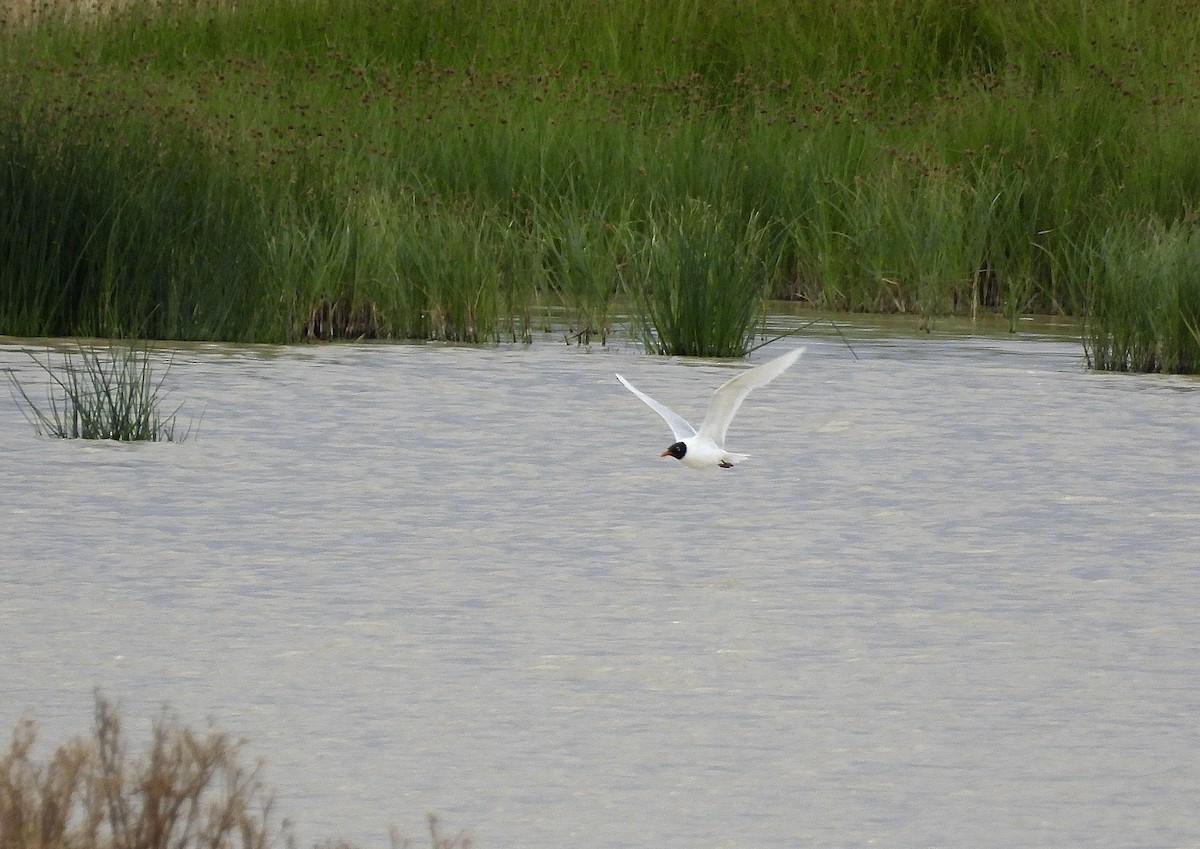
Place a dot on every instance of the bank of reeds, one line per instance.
(286, 169)
(187, 790)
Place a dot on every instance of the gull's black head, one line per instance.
(677, 451)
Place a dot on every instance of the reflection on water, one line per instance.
(952, 599)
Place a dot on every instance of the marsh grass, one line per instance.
(187, 790)
(112, 237)
(293, 169)
(1146, 301)
(699, 282)
(582, 255)
(101, 393)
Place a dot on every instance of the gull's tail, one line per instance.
(729, 459)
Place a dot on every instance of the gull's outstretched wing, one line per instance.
(730, 394)
(678, 423)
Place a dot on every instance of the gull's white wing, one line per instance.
(730, 394)
(678, 423)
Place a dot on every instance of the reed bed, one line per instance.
(277, 170)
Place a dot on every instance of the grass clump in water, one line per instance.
(1145, 301)
(699, 281)
(102, 393)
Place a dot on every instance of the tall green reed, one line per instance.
(1145, 300)
(111, 235)
(697, 280)
(581, 254)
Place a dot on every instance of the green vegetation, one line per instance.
(101, 394)
(278, 170)
(699, 281)
(1146, 301)
(187, 791)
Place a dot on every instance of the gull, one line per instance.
(705, 448)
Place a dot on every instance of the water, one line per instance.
(952, 600)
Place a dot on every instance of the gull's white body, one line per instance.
(705, 448)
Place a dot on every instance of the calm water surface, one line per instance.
(953, 600)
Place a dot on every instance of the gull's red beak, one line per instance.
(665, 454)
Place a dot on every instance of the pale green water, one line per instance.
(952, 600)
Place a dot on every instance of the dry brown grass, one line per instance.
(186, 791)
